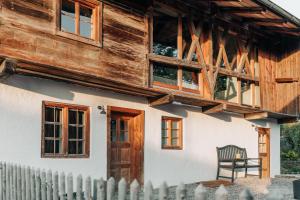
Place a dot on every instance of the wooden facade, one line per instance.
(121, 59)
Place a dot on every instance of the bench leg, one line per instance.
(260, 171)
(246, 172)
(218, 173)
(232, 177)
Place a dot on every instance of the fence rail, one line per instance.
(25, 183)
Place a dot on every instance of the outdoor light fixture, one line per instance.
(102, 110)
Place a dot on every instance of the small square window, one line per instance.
(171, 133)
(81, 20)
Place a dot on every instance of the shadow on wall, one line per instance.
(173, 109)
(60, 89)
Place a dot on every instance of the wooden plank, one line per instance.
(214, 109)
(235, 10)
(286, 80)
(162, 100)
(254, 116)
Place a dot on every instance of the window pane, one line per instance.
(72, 132)
(164, 39)
(80, 132)
(124, 136)
(58, 114)
(226, 88)
(174, 133)
(49, 146)
(113, 126)
(72, 117)
(257, 95)
(164, 133)
(49, 114)
(58, 146)
(80, 117)
(80, 147)
(174, 142)
(190, 79)
(246, 92)
(164, 74)
(164, 141)
(72, 147)
(175, 125)
(58, 131)
(85, 21)
(68, 16)
(49, 130)
(164, 124)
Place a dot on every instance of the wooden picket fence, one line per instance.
(25, 183)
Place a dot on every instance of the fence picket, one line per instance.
(43, 185)
(19, 183)
(49, 185)
(3, 180)
(14, 182)
(180, 192)
(32, 183)
(62, 186)
(148, 191)
(88, 188)
(201, 193)
(23, 182)
(134, 190)
(221, 193)
(28, 184)
(246, 195)
(79, 188)
(111, 188)
(38, 184)
(55, 186)
(70, 186)
(163, 191)
(101, 189)
(122, 189)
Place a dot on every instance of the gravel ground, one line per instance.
(260, 188)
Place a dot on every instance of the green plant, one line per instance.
(290, 155)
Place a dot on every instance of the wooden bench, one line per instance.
(232, 157)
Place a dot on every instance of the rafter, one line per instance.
(252, 10)
(264, 20)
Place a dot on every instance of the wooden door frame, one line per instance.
(132, 112)
(268, 148)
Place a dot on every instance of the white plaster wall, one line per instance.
(20, 121)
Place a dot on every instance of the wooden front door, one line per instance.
(264, 150)
(125, 146)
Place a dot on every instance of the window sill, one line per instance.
(165, 85)
(171, 148)
(78, 38)
(64, 156)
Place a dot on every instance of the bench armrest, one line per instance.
(259, 160)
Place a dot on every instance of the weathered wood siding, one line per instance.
(288, 66)
(28, 30)
(267, 66)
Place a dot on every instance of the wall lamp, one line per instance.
(102, 110)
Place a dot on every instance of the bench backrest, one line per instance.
(229, 152)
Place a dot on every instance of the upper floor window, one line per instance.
(65, 130)
(81, 18)
(171, 133)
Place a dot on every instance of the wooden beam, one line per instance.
(174, 61)
(287, 121)
(286, 80)
(275, 28)
(214, 109)
(252, 10)
(264, 20)
(254, 116)
(162, 100)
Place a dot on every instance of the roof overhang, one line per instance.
(281, 117)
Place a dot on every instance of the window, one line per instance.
(171, 133)
(81, 20)
(65, 130)
(165, 75)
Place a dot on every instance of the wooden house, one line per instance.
(145, 89)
